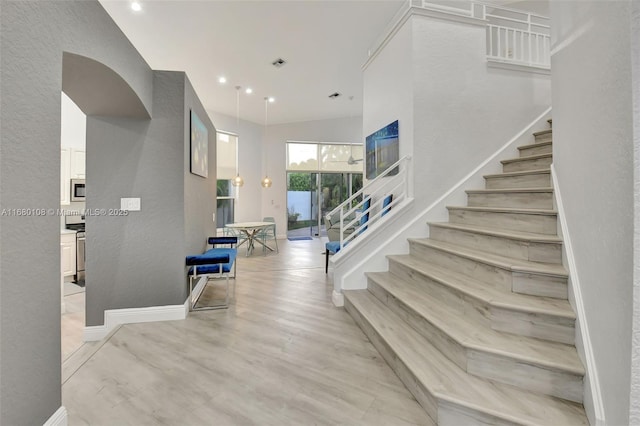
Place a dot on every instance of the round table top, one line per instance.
(247, 225)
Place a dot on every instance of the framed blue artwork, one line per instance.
(199, 147)
(382, 149)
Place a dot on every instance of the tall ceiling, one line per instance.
(325, 43)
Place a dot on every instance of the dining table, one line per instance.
(251, 230)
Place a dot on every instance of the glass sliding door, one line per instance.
(319, 178)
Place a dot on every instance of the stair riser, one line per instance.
(536, 150)
(438, 338)
(546, 327)
(451, 414)
(458, 302)
(422, 395)
(536, 285)
(490, 275)
(524, 200)
(532, 251)
(542, 180)
(499, 368)
(526, 376)
(502, 279)
(544, 138)
(542, 224)
(527, 165)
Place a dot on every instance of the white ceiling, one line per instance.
(324, 43)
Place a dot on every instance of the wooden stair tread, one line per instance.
(534, 145)
(509, 263)
(529, 158)
(487, 294)
(448, 383)
(473, 335)
(543, 132)
(509, 190)
(506, 210)
(522, 173)
(499, 232)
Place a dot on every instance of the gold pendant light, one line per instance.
(266, 182)
(237, 181)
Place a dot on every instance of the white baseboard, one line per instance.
(59, 418)
(594, 405)
(115, 317)
(337, 298)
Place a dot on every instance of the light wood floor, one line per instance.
(280, 355)
(72, 321)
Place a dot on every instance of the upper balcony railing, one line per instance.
(351, 211)
(513, 36)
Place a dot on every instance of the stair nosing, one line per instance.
(546, 212)
(438, 391)
(529, 158)
(572, 368)
(501, 233)
(543, 132)
(516, 304)
(546, 171)
(534, 145)
(499, 261)
(541, 190)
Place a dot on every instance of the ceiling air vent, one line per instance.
(334, 95)
(278, 62)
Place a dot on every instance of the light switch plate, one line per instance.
(130, 204)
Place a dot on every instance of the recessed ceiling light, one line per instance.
(222, 80)
(136, 6)
(271, 99)
(248, 90)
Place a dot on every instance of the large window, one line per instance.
(320, 176)
(325, 157)
(226, 161)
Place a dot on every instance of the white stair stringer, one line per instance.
(475, 319)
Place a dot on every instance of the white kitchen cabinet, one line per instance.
(68, 253)
(78, 163)
(65, 176)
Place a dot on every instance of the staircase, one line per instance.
(475, 320)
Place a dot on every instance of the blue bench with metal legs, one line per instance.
(214, 264)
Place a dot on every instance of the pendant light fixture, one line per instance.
(237, 181)
(266, 182)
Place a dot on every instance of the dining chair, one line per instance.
(268, 233)
(230, 232)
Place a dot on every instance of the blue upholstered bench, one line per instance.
(215, 263)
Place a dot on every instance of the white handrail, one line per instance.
(375, 191)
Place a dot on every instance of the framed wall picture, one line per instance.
(382, 150)
(199, 147)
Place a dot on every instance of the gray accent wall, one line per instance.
(138, 158)
(137, 260)
(199, 193)
(593, 151)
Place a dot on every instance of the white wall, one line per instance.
(593, 157)
(454, 112)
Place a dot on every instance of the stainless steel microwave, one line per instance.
(77, 190)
